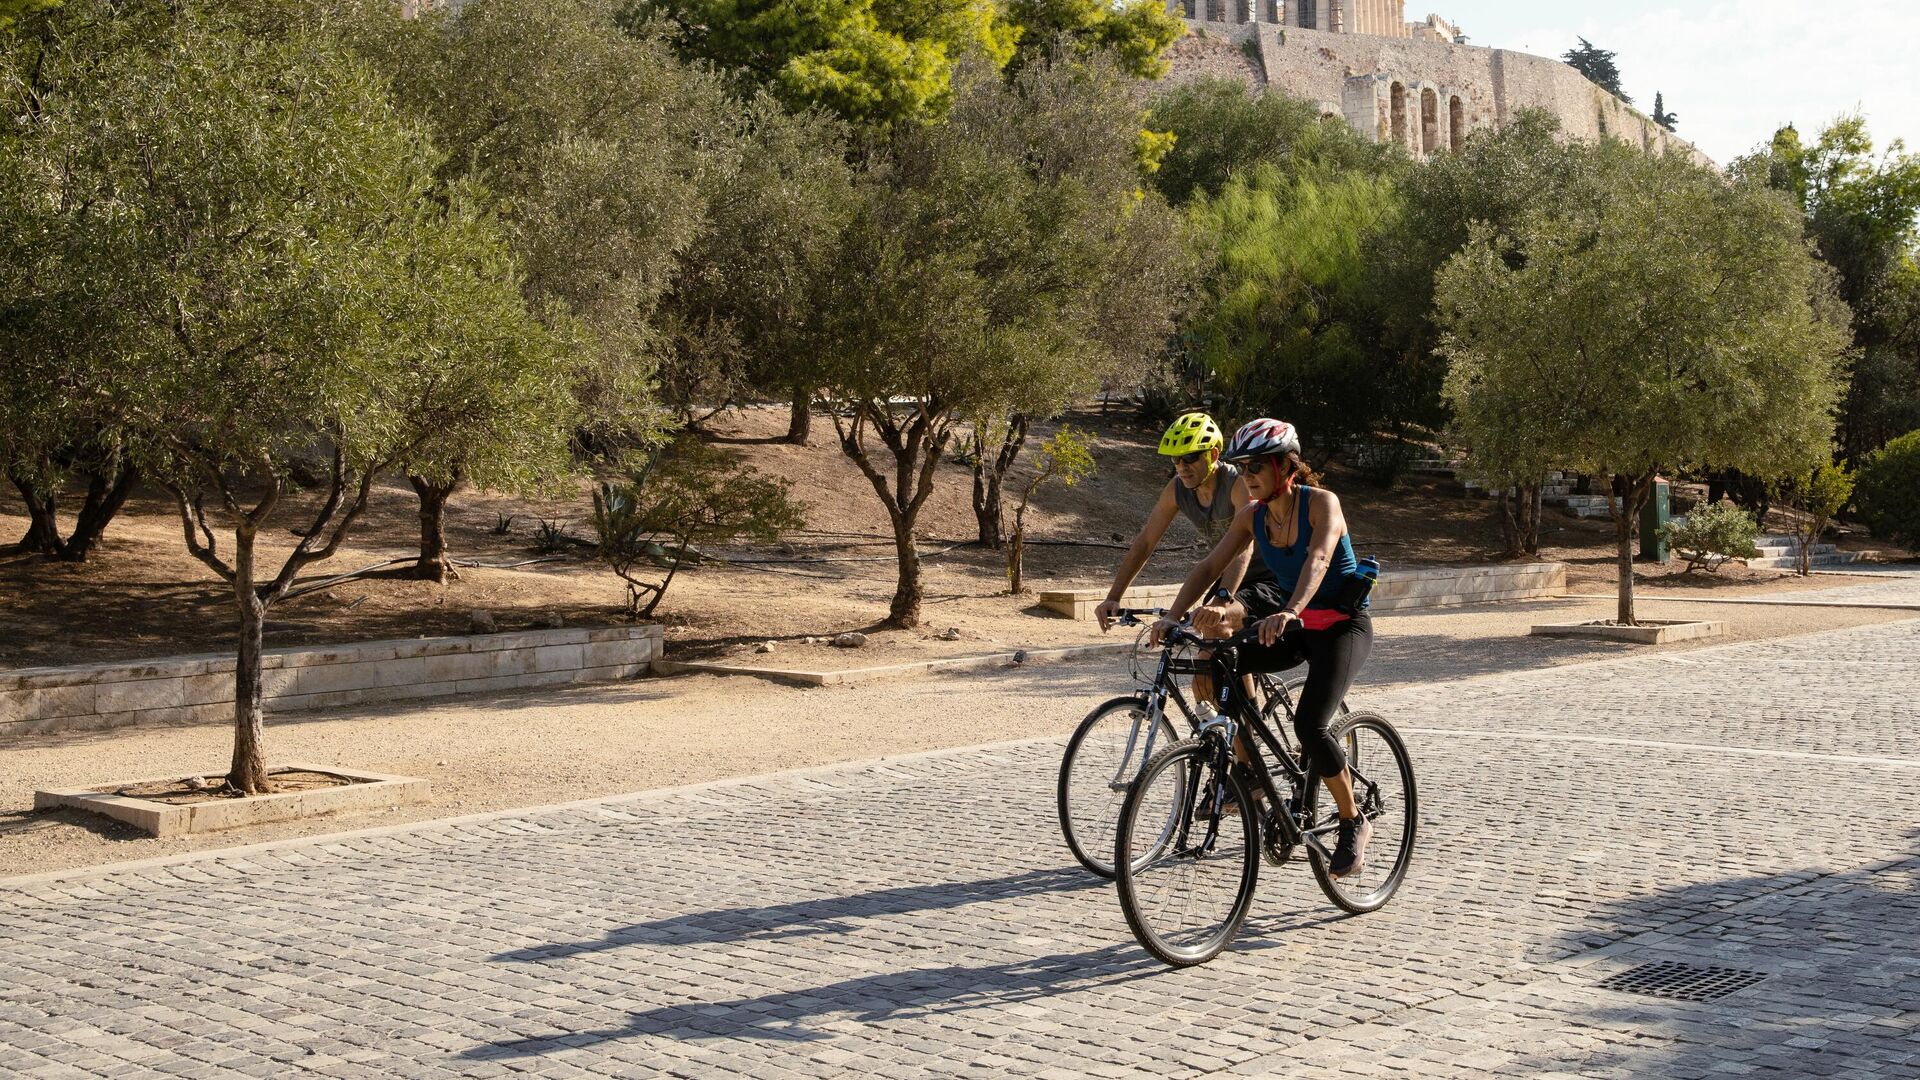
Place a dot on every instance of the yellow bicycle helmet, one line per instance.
(1193, 432)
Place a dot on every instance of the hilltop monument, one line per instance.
(1415, 83)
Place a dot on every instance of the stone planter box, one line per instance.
(367, 791)
(1399, 590)
(199, 689)
(1648, 632)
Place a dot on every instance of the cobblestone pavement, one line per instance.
(1749, 806)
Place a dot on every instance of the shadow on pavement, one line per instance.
(914, 992)
(828, 915)
(1840, 959)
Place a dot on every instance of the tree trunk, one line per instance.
(1625, 496)
(800, 417)
(43, 523)
(989, 477)
(1509, 519)
(1015, 550)
(248, 771)
(1533, 522)
(986, 499)
(107, 492)
(905, 609)
(433, 534)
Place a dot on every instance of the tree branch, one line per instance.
(205, 551)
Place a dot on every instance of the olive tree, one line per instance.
(286, 289)
(598, 147)
(995, 265)
(1673, 321)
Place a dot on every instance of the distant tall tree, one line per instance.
(1862, 212)
(1660, 114)
(1499, 178)
(1598, 66)
(1001, 262)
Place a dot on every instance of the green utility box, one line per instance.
(1653, 517)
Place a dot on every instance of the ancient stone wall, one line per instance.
(1445, 90)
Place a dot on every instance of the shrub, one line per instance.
(688, 492)
(1712, 535)
(1818, 495)
(1888, 490)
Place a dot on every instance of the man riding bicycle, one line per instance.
(1313, 611)
(1206, 491)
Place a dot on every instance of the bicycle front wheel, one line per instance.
(1106, 752)
(1383, 787)
(1187, 854)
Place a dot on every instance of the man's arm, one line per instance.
(1236, 570)
(1239, 536)
(1138, 552)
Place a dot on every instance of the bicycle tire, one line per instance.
(1088, 823)
(1395, 814)
(1163, 808)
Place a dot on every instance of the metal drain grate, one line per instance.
(1682, 982)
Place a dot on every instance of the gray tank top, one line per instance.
(1212, 520)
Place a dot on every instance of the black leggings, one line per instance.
(1333, 657)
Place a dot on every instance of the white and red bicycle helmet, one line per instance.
(1260, 439)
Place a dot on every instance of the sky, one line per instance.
(1731, 72)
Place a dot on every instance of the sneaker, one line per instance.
(1351, 851)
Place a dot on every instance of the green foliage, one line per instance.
(1495, 180)
(687, 493)
(1066, 457)
(1224, 129)
(737, 312)
(873, 62)
(1667, 321)
(1713, 534)
(1860, 212)
(1281, 329)
(1135, 33)
(1598, 66)
(1889, 489)
(600, 175)
(551, 537)
(11, 11)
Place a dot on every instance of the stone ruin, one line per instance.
(1415, 83)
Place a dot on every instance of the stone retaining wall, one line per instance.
(199, 689)
(1399, 590)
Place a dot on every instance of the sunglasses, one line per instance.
(1194, 458)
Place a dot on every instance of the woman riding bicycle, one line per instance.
(1306, 614)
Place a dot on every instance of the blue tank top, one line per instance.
(1286, 562)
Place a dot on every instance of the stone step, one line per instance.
(1772, 551)
(1790, 562)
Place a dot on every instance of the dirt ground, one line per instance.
(142, 596)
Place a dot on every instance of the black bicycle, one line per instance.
(1113, 744)
(1195, 823)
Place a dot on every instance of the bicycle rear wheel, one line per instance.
(1186, 868)
(1106, 752)
(1384, 789)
